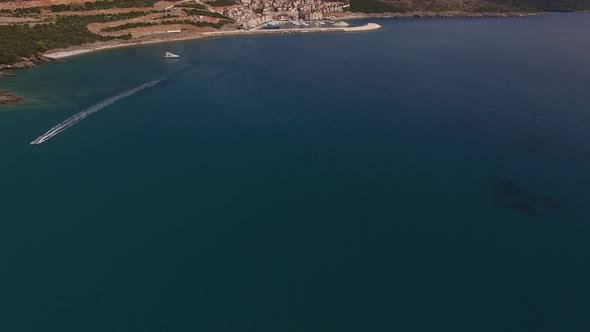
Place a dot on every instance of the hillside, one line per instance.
(30, 28)
(396, 6)
(549, 5)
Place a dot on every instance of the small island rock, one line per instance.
(6, 98)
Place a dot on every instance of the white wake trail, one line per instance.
(80, 116)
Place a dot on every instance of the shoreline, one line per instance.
(78, 50)
(83, 49)
(443, 14)
(164, 38)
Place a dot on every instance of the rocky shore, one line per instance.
(6, 98)
(26, 62)
(445, 14)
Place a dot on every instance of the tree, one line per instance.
(41, 47)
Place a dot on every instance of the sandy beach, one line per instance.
(77, 50)
(65, 54)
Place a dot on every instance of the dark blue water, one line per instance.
(433, 175)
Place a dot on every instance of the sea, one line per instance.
(432, 175)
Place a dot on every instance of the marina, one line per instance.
(271, 25)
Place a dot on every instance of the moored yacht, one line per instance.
(171, 55)
(272, 25)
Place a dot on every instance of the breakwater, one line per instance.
(80, 116)
(366, 27)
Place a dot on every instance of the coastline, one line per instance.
(433, 14)
(100, 46)
(78, 50)
(163, 38)
(9, 99)
(82, 49)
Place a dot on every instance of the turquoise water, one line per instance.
(433, 175)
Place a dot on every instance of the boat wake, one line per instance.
(80, 116)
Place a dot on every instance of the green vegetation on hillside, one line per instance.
(222, 3)
(79, 7)
(102, 4)
(112, 17)
(23, 40)
(167, 22)
(192, 5)
(197, 24)
(128, 26)
(25, 11)
(19, 12)
(501, 6)
(547, 5)
(402, 6)
(198, 12)
(377, 6)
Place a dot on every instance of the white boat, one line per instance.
(171, 55)
(272, 25)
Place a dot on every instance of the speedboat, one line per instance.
(171, 55)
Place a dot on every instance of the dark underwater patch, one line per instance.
(508, 194)
(534, 142)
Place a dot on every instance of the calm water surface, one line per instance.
(433, 175)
